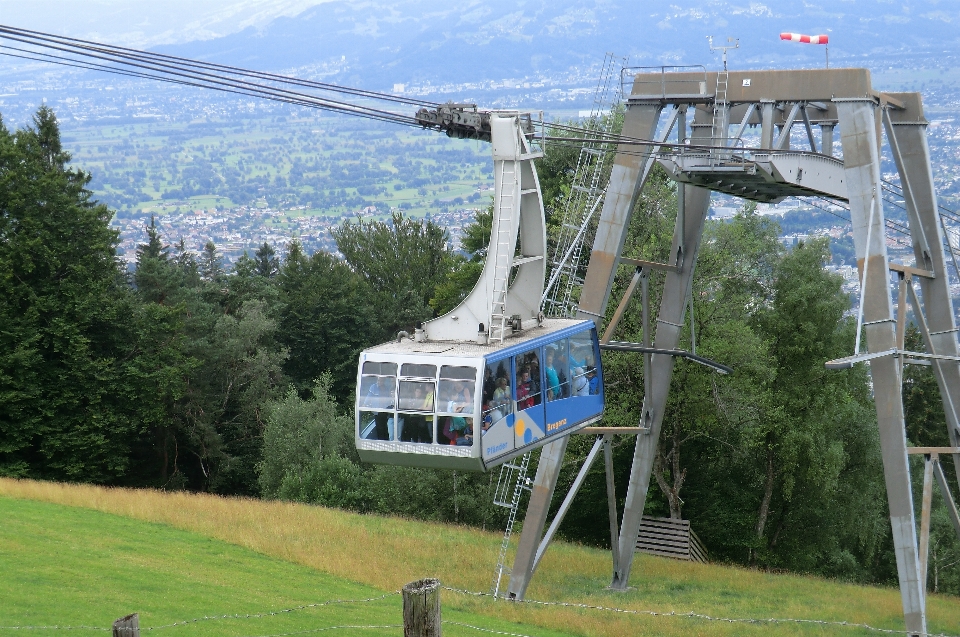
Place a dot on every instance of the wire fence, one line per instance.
(757, 621)
(326, 628)
(271, 613)
(694, 615)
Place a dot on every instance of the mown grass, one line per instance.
(384, 553)
(67, 566)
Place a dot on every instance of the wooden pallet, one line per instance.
(667, 537)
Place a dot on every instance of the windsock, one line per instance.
(806, 39)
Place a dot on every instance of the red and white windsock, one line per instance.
(806, 39)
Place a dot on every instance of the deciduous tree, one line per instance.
(403, 260)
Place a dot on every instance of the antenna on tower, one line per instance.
(732, 43)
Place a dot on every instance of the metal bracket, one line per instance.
(622, 346)
(787, 125)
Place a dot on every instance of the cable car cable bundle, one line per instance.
(172, 69)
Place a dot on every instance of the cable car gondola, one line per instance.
(468, 406)
(452, 397)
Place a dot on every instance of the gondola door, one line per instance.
(497, 409)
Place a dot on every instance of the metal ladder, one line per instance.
(721, 116)
(505, 247)
(515, 476)
(560, 297)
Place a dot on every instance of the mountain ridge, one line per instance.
(376, 44)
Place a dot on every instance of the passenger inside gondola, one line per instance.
(462, 399)
(461, 431)
(528, 380)
(497, 402)
(524, 399)
(593, 381)
(381, 428)
(553, 378)
(563, 368)
(581, 386)
(416, 397)
(489, 384)
(501, 397)
(380, 393)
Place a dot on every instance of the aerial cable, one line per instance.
(231, 82)
(98, 67)
(79, 64)
(203, 72)
(246, 89)
(249, 88)
(897, 190)
(148, 55)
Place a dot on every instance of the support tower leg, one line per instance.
(912, 156)
(676, 289)
(548, 470)
(628, 174)
(859, 133)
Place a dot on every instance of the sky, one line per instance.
(143, 23)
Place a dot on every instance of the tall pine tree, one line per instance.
(65, 402)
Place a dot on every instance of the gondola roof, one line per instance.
(470, 349)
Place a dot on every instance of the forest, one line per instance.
(186, 375)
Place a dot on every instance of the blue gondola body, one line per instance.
(461, 405)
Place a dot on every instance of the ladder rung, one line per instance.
(589, 191)
(523, 260)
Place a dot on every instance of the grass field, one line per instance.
(200, 555)
(69, 566)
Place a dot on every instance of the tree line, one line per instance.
(186, 374)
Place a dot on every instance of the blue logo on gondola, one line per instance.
(495, 449)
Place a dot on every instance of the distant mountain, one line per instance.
(375, 43)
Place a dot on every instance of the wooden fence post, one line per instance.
(421, 608)
(128, 626)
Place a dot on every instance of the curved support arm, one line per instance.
(501, 293)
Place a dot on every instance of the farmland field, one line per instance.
(316, 164)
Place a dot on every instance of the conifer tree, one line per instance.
(326, 318)
(211, 263)
(268, 265)
(65, 409)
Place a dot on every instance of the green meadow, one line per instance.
(82, 556)
(69, 566)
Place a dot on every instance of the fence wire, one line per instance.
(694, 615)
(485, 630)
(272, 613)
(341, 627)
(532, 602)
(197, 620)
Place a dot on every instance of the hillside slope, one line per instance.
(69, 566)
(385, 553)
